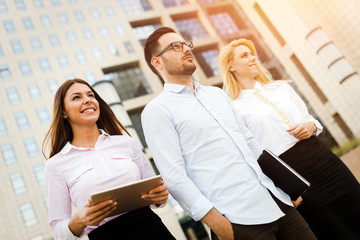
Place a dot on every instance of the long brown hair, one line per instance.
(60, 131)
(226, 56)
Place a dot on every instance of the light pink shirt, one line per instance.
(75, 173)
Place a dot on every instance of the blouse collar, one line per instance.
(68, 146)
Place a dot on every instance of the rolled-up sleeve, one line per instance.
(303, 109)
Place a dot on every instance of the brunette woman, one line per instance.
(90, 150)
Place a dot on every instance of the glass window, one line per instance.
(80, 57)
(97, 53)
(70, 76)
(1, 52)
(119, 29)
(39, 237)
(135, 117)
(34, 90)
(38, 3)
(28, 25)
(9, 26)
(5, 73)
(208, 61)
(63, 18)
(129, 83)
(36, 44)
(28, 214)
(16, 46)
(134, 6)
(129, 47)
(8, 154)
(63, 61)
(18, 183)
(39, 174)
(143, 32)
(45, 21)
(22, 121)
(89, 77)
(52, 85)
(113, 50)
(54, 40)
(110, 11)
(13, 96)
(95, 14)
(55, 2)
(208, 1)
(88, 34)
(31, 147)
(196, 31)
(25, 68)
(3, 130)
(79, 16)
(104, 32)
(3, 7)
(44, 64)
(224, 23)
(71, 37)
(20, 5)
(173, 3)
(43, 115)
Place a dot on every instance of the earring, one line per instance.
(65, 117)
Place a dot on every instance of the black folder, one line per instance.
(283, 176)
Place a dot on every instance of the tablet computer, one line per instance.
(128, 197)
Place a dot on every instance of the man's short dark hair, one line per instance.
(151, 47)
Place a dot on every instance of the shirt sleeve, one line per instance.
(166, 150)
(306, 116)
(59, 204)
(141, 161)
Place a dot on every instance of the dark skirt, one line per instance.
(142, 223)
(331, 205)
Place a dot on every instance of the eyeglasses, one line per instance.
(177, 46)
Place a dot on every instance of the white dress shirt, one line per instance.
(207, 157)
(75, 173)
(264, 121)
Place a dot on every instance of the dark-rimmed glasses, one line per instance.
(177, 47)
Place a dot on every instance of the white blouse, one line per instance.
(265, 122)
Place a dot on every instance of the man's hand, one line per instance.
(303, 130)
(219, 224)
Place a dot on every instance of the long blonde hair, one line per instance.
(226, 56)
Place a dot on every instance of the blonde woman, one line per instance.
(280, 121)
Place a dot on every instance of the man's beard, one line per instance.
(180, 69)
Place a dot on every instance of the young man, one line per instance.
(207, 157)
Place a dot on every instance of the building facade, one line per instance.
(43, 43)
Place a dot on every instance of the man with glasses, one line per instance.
(207, 156)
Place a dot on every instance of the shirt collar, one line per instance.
(249, 92)
(178, 88)
(68, 146)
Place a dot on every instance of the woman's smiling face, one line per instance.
(81, 107)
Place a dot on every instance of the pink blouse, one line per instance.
(75, 173)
